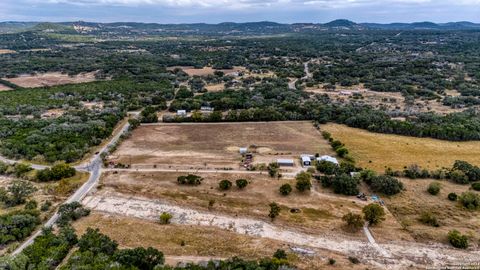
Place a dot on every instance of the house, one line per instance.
(306, 160)
(328, 158)
(206, 109)
(285, 162)
(181, 112)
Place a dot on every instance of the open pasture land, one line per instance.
(216, 145)
(409, 205)
(188, 243)
(192, 71)
(379, 151)
(320, 212)
(50, 79)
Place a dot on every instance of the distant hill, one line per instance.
(224, 29)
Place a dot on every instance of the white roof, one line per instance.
(306, 159)
(328, 158)
(181, 111)
(283, 160)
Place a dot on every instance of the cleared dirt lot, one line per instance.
(200, 243)
(4, 88)
(379, 151)
(414, 200)
(50, 79)
(217, 145)
(191, 71)
(320, 212)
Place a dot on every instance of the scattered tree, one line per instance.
(225, 185)
(434, 188)
(285, 189)
(303, 181)
(373, 213)
(241, 183)
(457, 240)
(274, 210)
(353, 221)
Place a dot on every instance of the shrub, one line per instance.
(373, 213)
(459, 177)
(274, 210)
(353, 260)
(476, 186)
(331, 261)
(470, 200)
(280, 254)
(285, 189)
(273, 169)
(429, 219)
(368, 176)
(353, 221)
(452, 196)
(387, 185)
(457, 239)
(434, 188)
(327, 167)
(303, 181)
(45, 206)
(71, 211)
(326, 180)
(165, 218)
(342, 151)
(31, 205)
(225, 185)
(344, 184)
(241, 183)
(191, 179)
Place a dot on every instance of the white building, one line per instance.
(328, 158)
(285, 162)
(181, 112)
(243, 150)
(306, 160)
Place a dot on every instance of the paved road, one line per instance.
(94, 166)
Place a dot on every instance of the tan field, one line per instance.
(191, 71)
(51, 79)
(6, 51)
(378, 151)
(4, 88)
(414, 200)
(216, 145)
(215, 87)
(200, 243)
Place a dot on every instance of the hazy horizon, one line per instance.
(210, 11)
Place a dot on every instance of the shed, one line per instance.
(328, 158)
(243, 150)
(285, 162)
(306, 161)
(181, 112)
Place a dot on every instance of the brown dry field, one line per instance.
(6, 51)
(215, 87)
(395, 151)
(321, 210)
(50, 79)
(216, 145)
(4, 88)
(200, 243)
(191, 71)
(412, 202)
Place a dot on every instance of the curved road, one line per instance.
(94, 166)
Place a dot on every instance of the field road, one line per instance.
(94, 166)
(308, 74)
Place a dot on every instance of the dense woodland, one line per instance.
(419, 64)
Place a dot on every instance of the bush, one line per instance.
(241, 183)
(71, 211)
(225, 185)
(165, 218)
(387, 185)
(353, 221)
(373, 213)
(342, 152)
(274, 210)
(457, 240)
(273, 169)
(45, 206)
(476, 186)
(429, 219)
(285, 189)
(56, 173)
(452, 196)
(459, 177)
(326, 180)
(31, 205)
(353, 260)
(303, 181)
(327, 167)
(344, 184)
(470, 200)
(191, 179)
(434, 188)
(331, 261)
(280, 254)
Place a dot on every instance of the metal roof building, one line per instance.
(285, 162)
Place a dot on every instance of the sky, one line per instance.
(215, 11)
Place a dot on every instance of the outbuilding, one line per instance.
(243, 150)
(328, 158)
(285, 162)
(181, 112)
(306, 161)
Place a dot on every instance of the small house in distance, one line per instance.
(206, 109)
(181, 112)
(285, 162)
(306, 160)
(328, 158)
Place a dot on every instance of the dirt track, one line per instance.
(400, 254)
